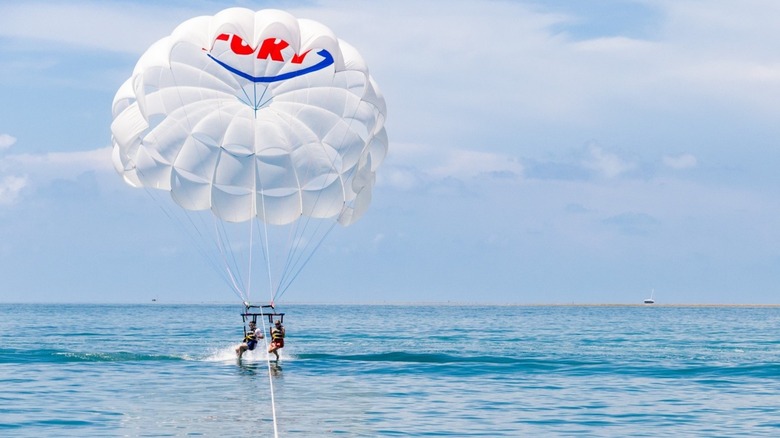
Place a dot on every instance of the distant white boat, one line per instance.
(650, 300)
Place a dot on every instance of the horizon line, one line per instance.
(396, 303)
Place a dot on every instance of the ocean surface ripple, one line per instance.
(392, 370)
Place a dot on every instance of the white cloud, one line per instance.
(10, 187)
(58, 165)
(400, 178)
(6, 141)
(683, 161)
(607, 164)
(19, 171)
(409, 165)
(468, 164)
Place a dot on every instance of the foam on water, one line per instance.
(228, 354)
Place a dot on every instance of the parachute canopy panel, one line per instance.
(252, 115)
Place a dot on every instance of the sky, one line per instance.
(540, 152)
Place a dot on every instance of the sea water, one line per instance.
(391, 370)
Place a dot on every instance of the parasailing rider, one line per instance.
(250, 339)
(277, 338)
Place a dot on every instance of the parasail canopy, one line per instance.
(253, 116)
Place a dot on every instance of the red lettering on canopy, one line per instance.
(297, 59)
(239, 47)
(270, 48)
(273, 48)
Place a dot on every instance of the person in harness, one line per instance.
(250, 339)
(277, 338)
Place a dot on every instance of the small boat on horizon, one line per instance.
(650, 300)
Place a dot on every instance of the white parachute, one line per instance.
(255, 118)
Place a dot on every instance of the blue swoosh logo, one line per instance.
(327, 60)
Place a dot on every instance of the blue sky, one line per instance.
(540, 152)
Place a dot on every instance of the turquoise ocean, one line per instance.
(79, 370)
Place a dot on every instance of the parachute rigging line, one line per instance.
(282, 290)
(191, 230)
(222, 240)
(254, 102)
(266, 254)
(282, 287)
(229, 275)
(292, 266)
(253, 209)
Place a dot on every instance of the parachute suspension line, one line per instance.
(267, 250)
(297, 266)
(208, 255)
(178, 88)
(189, 229)
(305, 262)
(259, 101)
(222, 242)
(228, 258)
(293, 265)
(299, 255)
(283, 288)
(294, 238)
(273, 287)
(251, 248)
(254, 101)
(349, 125)
(227, 274)
(270, 374)
(222, 239)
